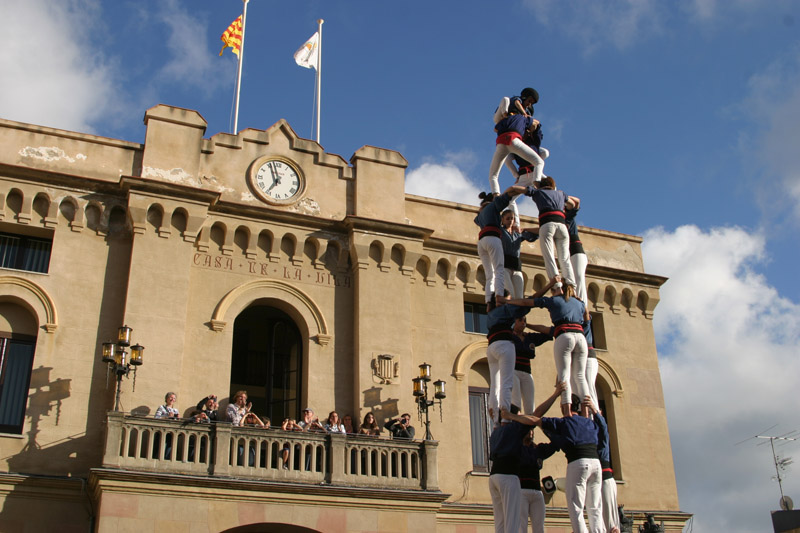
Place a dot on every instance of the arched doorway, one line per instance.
(267, 361)
(18, 330)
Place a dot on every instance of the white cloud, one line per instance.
(728, 358)
(190, 61)
(770, 145)
(595, 24)
(624, 23)
(51, 73)
(446, 181)
(443, 181)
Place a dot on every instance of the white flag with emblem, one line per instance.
(307, 55)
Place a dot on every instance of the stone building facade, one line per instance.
(257, 261)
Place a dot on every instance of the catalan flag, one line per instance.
(233, 36)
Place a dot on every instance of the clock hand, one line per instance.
(276, 181)
(273, 171)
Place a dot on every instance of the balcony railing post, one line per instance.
(337, 451)
(113, 438)
(221, 436)
(430, 480)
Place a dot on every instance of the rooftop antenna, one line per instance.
(781, 464)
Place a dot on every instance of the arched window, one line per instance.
(267, 361)
(606, 400)
(479, 423)
(17, 344)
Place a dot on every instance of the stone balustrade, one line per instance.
(221, 450)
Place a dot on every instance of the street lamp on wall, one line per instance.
(116, 357)
(421, 396)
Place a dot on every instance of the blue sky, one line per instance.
(678, 121)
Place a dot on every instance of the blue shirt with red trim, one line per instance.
(490, 215)
(549, 199)
(561, 310)
(514, 123)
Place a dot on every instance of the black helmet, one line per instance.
(530, 92)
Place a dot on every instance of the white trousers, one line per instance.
(517, 147)
(533, 507)
(490, 250)
(583, 487)
(609, 498)
(591, 378)
(505, 492)
(501, 356)
(522, 393)
(554, 240)
(569, 352)
(579, 262)
(514, 282)
(523, 180)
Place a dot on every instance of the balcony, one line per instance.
(224, 451)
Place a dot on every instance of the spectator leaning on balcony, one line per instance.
(310, 422)
(347, 422)
(289, 425)
(251, 419)
(199, 417)
(333, 425)
(400, 428)
(370, 427)
(209, 406)
(168, 410)
(238, 408)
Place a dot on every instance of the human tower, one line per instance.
(581, 432)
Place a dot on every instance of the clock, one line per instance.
(277, 180)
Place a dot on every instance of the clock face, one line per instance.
(277, 181)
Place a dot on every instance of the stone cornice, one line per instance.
(596, 271)
(126, 481)
(174, 190)
(525, 219)
(49, 178)
(273, 214)
(30, 485)
(617, 274)
(356, 223)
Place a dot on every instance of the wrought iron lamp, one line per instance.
(116, 356)
(421, 396)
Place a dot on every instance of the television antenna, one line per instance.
(781, 463)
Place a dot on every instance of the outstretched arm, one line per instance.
(528, 420)
(515, 190)
(541, 292)
(539, 328)
(587, 402)
(543, 407)
(573, 202)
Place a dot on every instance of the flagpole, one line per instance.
(319, 76)
(239, 71)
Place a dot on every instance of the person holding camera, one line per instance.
(208, 406)
(401, 428)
